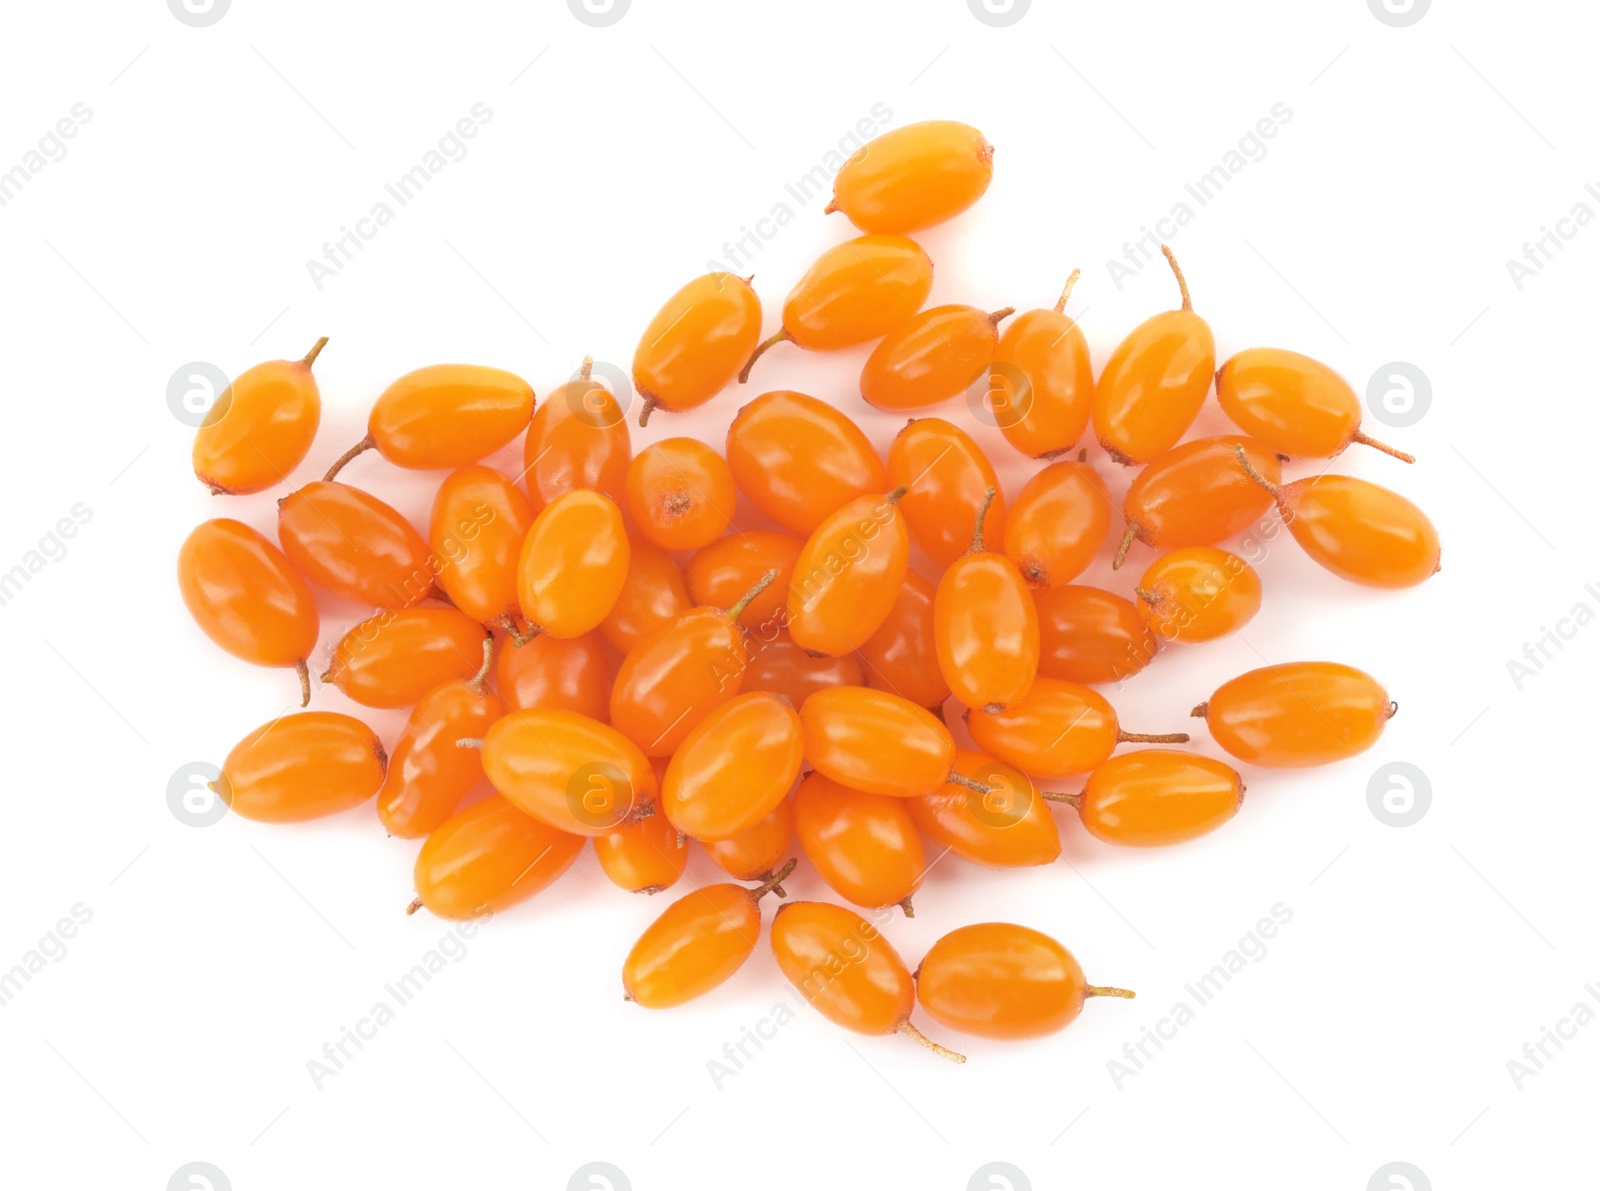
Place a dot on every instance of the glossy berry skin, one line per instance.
(734, 768)
(780, 666)
(245, 596)
(876, 742)
(755, 853)
(1155, 797)
(1041, 383)
(1089, 635)
(902, 657)
(1298, 714)
(1000, 980)
(303, 766)
(653, 594)
(1155, 382)
(865, 846)
(578, 438)
(1198, 593)
(1360, 531)
(719, 574)
(696, 343)
(932, 355)
(848, 575)
(846, 970)
(798, 459)
(567, 675)
(913, 177)
(675, 676)
(260, 427)
(487, 858)
(699, 941)
(1009, 827)
(945, 474)
(449, 415)
(429, 775)
(853, 293)
(393, 659)
(985, 628)
(573, 564)
(572, 772)
(643, 855)
(1058, 523)
(1197, 494)
(1296, 405)
(476, 530)
(350, 543)
(1059, 729)
(680, 494)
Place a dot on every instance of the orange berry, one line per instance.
(445, 416)
(680, 494)
(1298, 714)
(578, 439)
(1000, 980)
(350, 543)
(720, 573)
(848, 575)
(1196, 494)
(572, 772)
(1058, 523)
(696, 343)
(568, 675)
(488, 858)
(865, 846)
(1090, 635)
(945, 475)
(642, 855)
(1009, 826)
(303, 766)
(782, 667)
(1041, 384)
(1294, 404)
(475, 531)
(876, 742)
(913, 177)
(1198, 593)
(798, 459)
(245, 596)
(260, 427)
(755, 853)
(574, 562)
(734, 767)
(653, 594)
(932, 355)
(393, 659)
(902, 657)
(1155, 797)
(1059, 729)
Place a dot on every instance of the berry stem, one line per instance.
(1066, 291)
(1183, 286)
(1122, 546)
(480, 680)
(1152, 738)
(977, 524)
(905, 907)
(759, 586)
(305, 682)
(1382, 446)
(1249, 470)
(1072, 799)
(780, 336)
(893, 497)
(310, 357)
(508, 622)
(414, 907)
(911, 1031)
(1198, 711)
(365, 444)
(470, 742)
(1103, 990)
(586, 368)
(1003, 313)
(962, 780)
(774, 880)
(646, 407)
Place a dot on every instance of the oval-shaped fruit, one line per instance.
(848, 575)
(488, 858)
(1298, 714)
(865, 846)
(349, 542)
(680, 494)
(570, 771)
(1155, 797)
(568, 675)
(902, 657)
(653, 594)
(1197, 494)
(573, 565)
(578, 439)
(876, 742)
(1090, 635)
(932, 355)
(1294, 404)
(1041, 384)
(393, 659)
(1058, 729)
(302, 766)
(1359, 530)
(642, 855)
(757, 852)
(260, 427)
(913, 177)
(1009, 826)
(448, 415)
(718, 575)
(476, 530)
(946, 476)
(1198, 593)
(696, 343)
(798, 459)
(734, 768)
(1058, 523)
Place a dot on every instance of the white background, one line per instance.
(618, 161)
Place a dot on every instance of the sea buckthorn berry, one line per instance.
(578, 439)
(865, 846)
(653, 594)
(393, 659)
(1358, 530)
(699, 941)
(1089, 635)
(302, 766)
(680, 493)
(428, 774)
(902, 657)
(945, 475)
(798, 459)
(1298, 714)
(488, 858)
(1041, 384)
(1155, 797)
(848, 575)
(1010, 826)
(930, 356)
(1155, 381)
(444, 416)
(986, 628)
(913, 177)
(1195, 495)
(755, 853)
(676, 675)
(1000, 980)
(245, 596)
(696, 343)
(1059, 729)
(734, 768)
(570, 675)
(847, 971)
(1058, 523)
(573, 565)
(476, 529)
(1198, 593)
(260, 427)
(644, 855)
(778, 665)
(879, 743)
(854, 292)
(349, 542)
(570, 771)
(1294, 404)
(720, 573)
